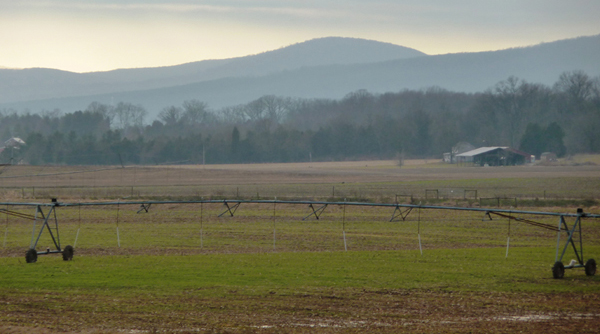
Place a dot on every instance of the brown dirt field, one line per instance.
(323, 311)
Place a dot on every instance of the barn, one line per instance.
(494, 156)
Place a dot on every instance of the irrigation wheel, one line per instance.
(67, 253)
(558, 271)
(31, 256)
(590, 267)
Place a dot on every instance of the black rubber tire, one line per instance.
(590, 267)
(67, 253)
(558, 270)
(31, 256)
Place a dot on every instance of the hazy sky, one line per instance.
(98, 35)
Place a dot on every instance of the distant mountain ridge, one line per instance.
(313, 69)
(42, 83)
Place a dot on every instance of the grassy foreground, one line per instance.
(386, 291)
(482, 269)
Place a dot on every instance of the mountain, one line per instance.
(315, 69)
(40, 83)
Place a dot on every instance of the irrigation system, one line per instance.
(46, 214)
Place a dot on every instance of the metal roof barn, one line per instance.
(494, 156)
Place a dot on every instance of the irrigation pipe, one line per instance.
(362, 204)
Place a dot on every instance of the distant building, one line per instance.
(494, 156)
(14, 142)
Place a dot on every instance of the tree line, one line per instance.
(534, 118)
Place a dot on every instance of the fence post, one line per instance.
(118, 237)
(344, 226)
(78, 229)
(508, 236)
(6, 230)
(419, 231)
(274, 204)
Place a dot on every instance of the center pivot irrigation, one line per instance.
(46, 214)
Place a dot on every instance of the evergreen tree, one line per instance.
(533, 140)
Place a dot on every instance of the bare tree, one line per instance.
(596, 92)
(255, 111)
(510, 99)
(267, 111)
(170, 115)
(196, 112)
(104, 109)
(128, 115)
(233, 115)
(577, 85)
(276, 107)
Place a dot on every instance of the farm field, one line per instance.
(372, 180)
(180, 268)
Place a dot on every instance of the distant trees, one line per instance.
(535, 118)
(577, 89)
(235, 143)
(124, 115)
(417, 138)
(196, 113)
(554, 135)
(84, 123)
(577, 98)
(508, 103)
(170, 116)
(267, 111)
(537, 140)
(128, 115)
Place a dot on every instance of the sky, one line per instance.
(101, 35)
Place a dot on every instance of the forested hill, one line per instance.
(225, 83)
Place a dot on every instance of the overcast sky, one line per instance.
(98, 35)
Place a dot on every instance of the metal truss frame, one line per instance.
(400, 211)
